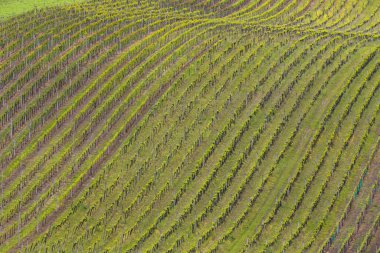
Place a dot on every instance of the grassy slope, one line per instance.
(9, 8)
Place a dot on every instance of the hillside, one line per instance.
(191, 126)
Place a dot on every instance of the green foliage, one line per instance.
(186, 126)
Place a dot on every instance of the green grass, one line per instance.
(9, 8)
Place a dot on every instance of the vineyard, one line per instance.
(191, 126)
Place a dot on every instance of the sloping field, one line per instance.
(191, 126)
